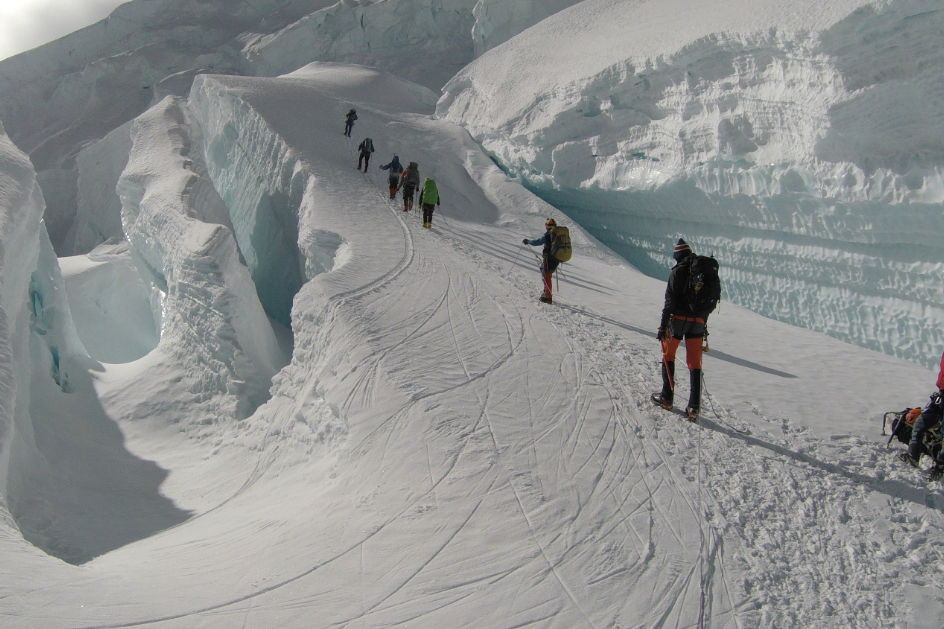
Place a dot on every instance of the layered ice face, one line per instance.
(180, 237)
(21, 209)
(801, 145)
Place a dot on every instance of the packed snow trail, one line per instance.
(445, 451)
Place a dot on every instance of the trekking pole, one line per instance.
(520, 247)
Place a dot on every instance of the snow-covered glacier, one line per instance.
(261, 393)
(58, 106)
(801, 144)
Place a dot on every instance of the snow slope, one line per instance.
(799, 142)
(442, 450)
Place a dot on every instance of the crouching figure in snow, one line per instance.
(930, 419)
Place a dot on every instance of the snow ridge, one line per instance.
(177, 228)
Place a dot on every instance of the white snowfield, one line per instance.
(441, 450)
(798, 141)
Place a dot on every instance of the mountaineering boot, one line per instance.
(665, 398)
(936, 472)
(661, 401)
(544, 299)
(907, 458)
(694, 399)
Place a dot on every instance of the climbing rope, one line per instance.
(701, 543)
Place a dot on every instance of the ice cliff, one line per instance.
(181, 238)
(22, 204)
(801, 144)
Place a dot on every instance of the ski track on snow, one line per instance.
(769, 533)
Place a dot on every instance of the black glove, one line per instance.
(525, 241)
(662, 334)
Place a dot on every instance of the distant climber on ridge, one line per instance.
(366, 147)
(692, 293)
(409, 182)
(429, 200)
(556, 241)
(349, 122)
(393, 179)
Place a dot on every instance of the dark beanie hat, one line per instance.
(681, 250)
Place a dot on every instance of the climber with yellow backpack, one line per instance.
(556, 241)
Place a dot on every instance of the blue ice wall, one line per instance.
(262, 188)
(867, 273)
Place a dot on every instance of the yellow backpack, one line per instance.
(560, 244)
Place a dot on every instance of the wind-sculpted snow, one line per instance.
(497, 21)
(425, 41)
(177, 227)
(68, 486)
(800, 144)
(110, 304)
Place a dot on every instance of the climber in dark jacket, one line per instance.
(349, 122)
(409, 182)
(678, 323)
(366, 147)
